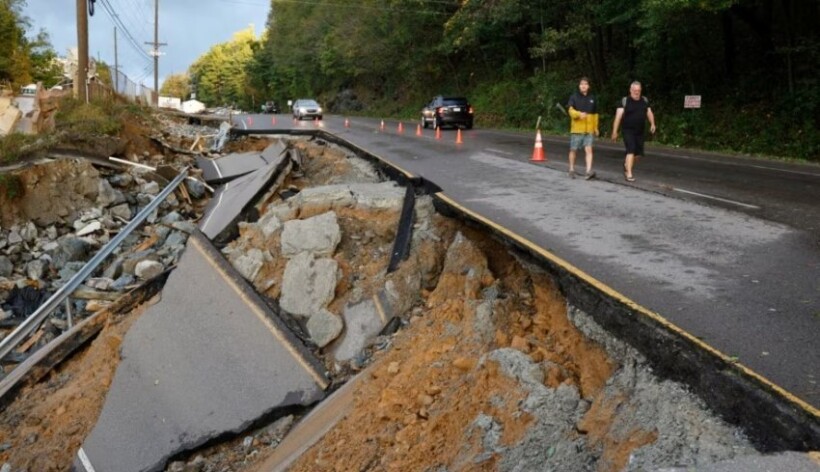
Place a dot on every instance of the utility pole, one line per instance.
(82, 51)
(116, 65)
(155, 52)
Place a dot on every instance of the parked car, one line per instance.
(307, 108)
(447, 111)
(270, 107)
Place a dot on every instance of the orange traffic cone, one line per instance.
(273, 121)
(538, 151)
(401, 127)
(382, 126)
(418, 130)
(458, 137)
(347, 123)
(438, 132)
(250, 121)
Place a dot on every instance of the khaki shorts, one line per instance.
(580, 140)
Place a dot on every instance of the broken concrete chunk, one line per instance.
(318, 235)
(382, 196)
(362, 322)
(309, 284)
(148, 269)
(321, 199)
(324, 327)
(90, 228)
(249, 264)
(269, 224)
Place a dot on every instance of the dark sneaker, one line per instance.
(589, 175)
(571, 174)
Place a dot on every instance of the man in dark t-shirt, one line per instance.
(633, 111)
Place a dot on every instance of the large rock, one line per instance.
(122, 211)
(318, 235)
(29, 232)
(70, 249)
(6, 267)
(324, 327)
(36, 269)
(269, 224)
(148, 269)
(362, 322)
(321, 199)
(107, 196)
(309, 284)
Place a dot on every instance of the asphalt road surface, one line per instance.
(724, 247)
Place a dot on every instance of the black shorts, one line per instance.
(633, 140)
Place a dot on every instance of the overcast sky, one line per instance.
(190, 27)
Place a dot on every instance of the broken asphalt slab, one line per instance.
(231, 199)
(227, 168)
(208, 360)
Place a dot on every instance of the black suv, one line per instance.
(453, 111)
(270, 107)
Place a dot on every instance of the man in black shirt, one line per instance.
(633, 111)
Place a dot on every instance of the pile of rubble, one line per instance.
(75, 218)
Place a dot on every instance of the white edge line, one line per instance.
(746, 205)
(218, 202)
(85, 461)
(216, 166)
(499, 151)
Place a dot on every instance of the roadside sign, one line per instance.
(691, 101)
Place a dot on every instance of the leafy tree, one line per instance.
(176, 85)
(220, 76)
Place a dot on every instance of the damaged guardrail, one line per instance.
(20, 333)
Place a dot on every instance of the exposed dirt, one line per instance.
(49, 193)
(47, 423)
(419, 408)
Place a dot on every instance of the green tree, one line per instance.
(176, 85)
(220, 75)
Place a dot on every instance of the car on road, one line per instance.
(447, 111)
(307, 108)
(270, 107)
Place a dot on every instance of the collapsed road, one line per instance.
(506, 357)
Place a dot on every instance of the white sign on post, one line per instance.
(691, 101)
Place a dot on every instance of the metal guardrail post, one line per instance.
(26, 327)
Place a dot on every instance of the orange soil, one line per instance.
(47, 422)
(416, 410)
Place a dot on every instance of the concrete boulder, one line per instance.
(309, 284)
(324, 327)
(362, 323)
(318, 235)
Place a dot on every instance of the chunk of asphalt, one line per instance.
(231, 199)
(227, 168)
(209, 359)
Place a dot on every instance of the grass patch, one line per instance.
(10, 186)
(16, 146)
(98, 117)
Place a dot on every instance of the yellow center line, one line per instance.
(628, 302)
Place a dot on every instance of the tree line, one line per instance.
(24, 59)
(754, 62)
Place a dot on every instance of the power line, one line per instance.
(126, 32)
